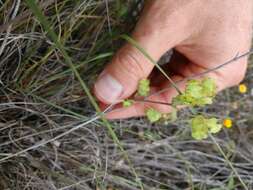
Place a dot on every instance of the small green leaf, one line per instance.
(204, 101)
(143, 87)
(197, 93)
(152, 136)
(127, 103)
(122, 11)
(194, 89)
(153, 115)
(213, 125)
(173, 114)
(231, 183)
(199, 128)
(209, 87)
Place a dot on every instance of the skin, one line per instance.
(203, 34)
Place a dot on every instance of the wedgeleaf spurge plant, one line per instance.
(202, 126)
(143, 87)
(197, 93)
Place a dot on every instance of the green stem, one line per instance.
(143, 51)
(47, 26)
(228, 162)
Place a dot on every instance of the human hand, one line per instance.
(204, 34)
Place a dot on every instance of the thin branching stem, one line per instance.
(228, 162)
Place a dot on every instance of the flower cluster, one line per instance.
(196, 93)
(202, 126)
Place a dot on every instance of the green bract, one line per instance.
(201, 126)
(213, 125)
(153, 115)
(209, 87)
(197, 93)
(143, 87)
(127, 103)
(194, 89)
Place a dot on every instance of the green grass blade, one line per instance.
(46, 24)
(143, 51)
(228, 162)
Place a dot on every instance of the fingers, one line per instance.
(139, 108)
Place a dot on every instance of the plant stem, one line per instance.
(228, 162)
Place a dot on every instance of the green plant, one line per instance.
(127, 103)
(197, 93)
(202, 126)
(143, 87)
(153, 115)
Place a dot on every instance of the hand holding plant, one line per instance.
(203, 35)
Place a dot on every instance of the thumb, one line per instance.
(120, 78)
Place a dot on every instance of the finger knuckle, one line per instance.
(130, 63)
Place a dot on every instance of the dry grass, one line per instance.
(50, 137)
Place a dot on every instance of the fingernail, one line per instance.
(108, 88)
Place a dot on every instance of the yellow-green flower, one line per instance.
(227, 123)
(127, 103)
(242, 88)
(153, 115)
(143, 87)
